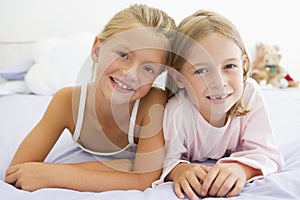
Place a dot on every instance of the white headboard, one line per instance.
(11, 52)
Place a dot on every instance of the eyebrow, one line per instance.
(231, 59)
(123, 47)
(209, 63)
(200, 64)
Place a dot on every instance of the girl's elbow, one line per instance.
(145, 180)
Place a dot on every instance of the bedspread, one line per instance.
(20, 112)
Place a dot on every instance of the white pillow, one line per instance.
(57, 62)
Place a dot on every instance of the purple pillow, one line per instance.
(16, 70)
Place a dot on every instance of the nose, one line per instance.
(217, 80)
(130, 72)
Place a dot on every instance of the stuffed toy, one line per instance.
(266, 68)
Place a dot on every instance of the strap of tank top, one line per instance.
(80, 113)
(132, 122)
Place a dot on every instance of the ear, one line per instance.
(95, 50)
(245, 61)
(177, 77)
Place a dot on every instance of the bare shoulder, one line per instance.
(59, 110)
(149, 119)
(152, 107)
(62, 99)
(155, 96)
(63, 94)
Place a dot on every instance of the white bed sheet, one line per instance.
(19, 113)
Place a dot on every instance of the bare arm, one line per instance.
(147, 166)
(98, 176)
(38, 143)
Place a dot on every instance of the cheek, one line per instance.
(237, 77)
(197, 84)
(146, 78)
(109, 61)
(107, 66)
(195, 89)
(143, 90)
(239, 85)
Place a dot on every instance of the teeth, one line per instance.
(218, 97)
(121, 85)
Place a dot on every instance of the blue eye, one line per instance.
(148, 68)
(230, 66)
(122, 54)
(201, 71)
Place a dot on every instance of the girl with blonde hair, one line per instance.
(218, 134)
(117, 115)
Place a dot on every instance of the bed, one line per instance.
(28, 88)
(20, 112)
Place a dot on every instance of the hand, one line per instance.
(32, 176)
(187, 178)
(224, 180)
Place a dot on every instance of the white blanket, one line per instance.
(19, 113)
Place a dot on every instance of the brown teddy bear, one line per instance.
(267, 70)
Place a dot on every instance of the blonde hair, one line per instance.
(138, 16)
(196, 27)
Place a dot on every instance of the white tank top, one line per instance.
(96, 137)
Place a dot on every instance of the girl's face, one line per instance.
(128, 65)
(213, 76)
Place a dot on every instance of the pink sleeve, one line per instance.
(258, 147)
(174, 142)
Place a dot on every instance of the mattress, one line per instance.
(20, 112)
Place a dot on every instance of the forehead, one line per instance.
(138, 39)
(214, 48)
(219, 46)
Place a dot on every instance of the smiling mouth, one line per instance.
(218, 97)
(120, 84)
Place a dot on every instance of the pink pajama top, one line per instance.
(247, 139)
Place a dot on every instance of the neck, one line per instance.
(109, 113)
(216, 119)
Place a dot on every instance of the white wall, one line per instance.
(268, 21)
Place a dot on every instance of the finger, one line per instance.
(201, 173)
(11, 178)
(208, 181)
(227, 186)
(195, 184)
(18, 184)
(11, 170)
(188, 190)
(237, 189)
(219, 182)
(205, 168)
(178, 191)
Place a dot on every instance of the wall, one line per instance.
(268, 21)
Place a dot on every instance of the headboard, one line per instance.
(11, 52)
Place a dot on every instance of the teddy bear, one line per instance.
(266, 69)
